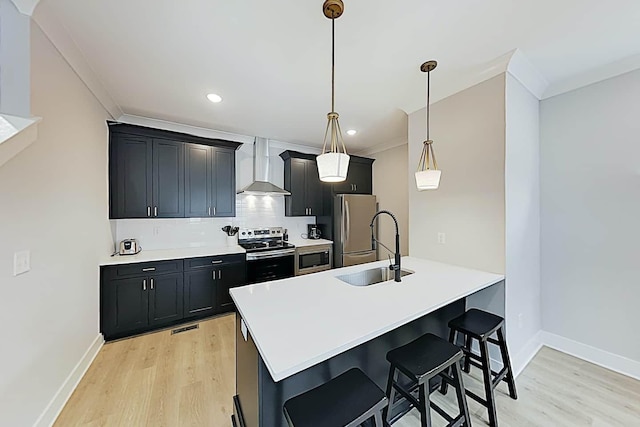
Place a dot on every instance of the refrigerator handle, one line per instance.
(347, 217)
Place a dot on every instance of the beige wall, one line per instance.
(390, 187)
(53, 202)
(469, 133)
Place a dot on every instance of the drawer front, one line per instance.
(145, 269)
(212, 261)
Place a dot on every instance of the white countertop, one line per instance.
(168, 254)
(302, 243)
(299, 322)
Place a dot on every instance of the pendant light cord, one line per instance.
(333, 62)
(428, 100)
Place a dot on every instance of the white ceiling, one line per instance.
(270, 60)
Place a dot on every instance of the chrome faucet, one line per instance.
(394, 267)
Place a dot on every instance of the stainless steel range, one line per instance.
(269, 257)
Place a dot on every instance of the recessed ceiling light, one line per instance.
(351, 132)
(214, 97)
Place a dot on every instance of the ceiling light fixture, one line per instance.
(333, 164)
(426, 177)
(351, 132)
(214, 97)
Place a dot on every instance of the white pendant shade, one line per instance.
(428, 179)
(333, 167)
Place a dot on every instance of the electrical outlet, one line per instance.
(442, 238)
(21, 262)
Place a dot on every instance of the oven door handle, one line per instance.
(270, 254)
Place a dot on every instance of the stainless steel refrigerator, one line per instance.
(351, 232)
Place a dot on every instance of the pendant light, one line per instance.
(333, 164)
(428, 178)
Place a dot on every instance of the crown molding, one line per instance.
(528, 75)
(596, 75)
(26, 7)
(368, 151)
(45, 17)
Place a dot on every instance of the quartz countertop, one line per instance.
(303, 243)
(168, 254)
(301, 321)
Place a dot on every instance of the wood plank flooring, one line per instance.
(188, 379)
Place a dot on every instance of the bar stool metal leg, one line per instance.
(504, 352)
(488, 383)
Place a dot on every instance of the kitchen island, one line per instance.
(295, 334)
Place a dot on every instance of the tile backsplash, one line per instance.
(251, 211)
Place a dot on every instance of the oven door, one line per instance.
(264, 269)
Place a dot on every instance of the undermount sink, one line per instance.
(372, 276)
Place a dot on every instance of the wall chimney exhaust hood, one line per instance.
(261, 185)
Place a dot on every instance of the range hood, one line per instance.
(261, 185)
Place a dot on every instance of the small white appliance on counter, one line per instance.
(129, 247)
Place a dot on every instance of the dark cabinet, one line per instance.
(127, 306)
(147, 177)
(140, 297)
(302, 181)
(230, 276)
(161, 174)
(359, 177)
(207, 284)
(200, 292)
(134, 304)
(131, 177)
(165, 298)
(168, 179)
(210, 181)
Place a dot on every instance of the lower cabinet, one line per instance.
(139, 298)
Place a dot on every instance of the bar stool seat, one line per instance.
(422, 360)
(480, 325)
(477, 323)
(349, 399)
(423, 357)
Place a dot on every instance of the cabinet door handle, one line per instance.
(155, 211)
(310, 211)
(214, 275)
(151, 284)
(214, 211)
(149, 211)
(149, 269)
(219, 261)
(144, 284)
(209, 211)
(219, 274)
(355, 186)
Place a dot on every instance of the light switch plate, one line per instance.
(21, 262)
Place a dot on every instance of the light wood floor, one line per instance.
(188, 380)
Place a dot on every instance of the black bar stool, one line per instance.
(349, 400)
(421, 360)
(480, 325)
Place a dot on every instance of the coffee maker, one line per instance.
(313, 232)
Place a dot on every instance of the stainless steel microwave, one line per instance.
(312, 259)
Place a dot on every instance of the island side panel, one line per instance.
(370, 357)
(247, 399)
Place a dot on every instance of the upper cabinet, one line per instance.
(301, 180)
(359, 177)
(160, 174)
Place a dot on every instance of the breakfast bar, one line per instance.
(297, 333)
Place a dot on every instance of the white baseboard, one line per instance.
(614, 362)
(53, 409)
(521, 359)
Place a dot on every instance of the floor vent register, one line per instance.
(186, 328)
